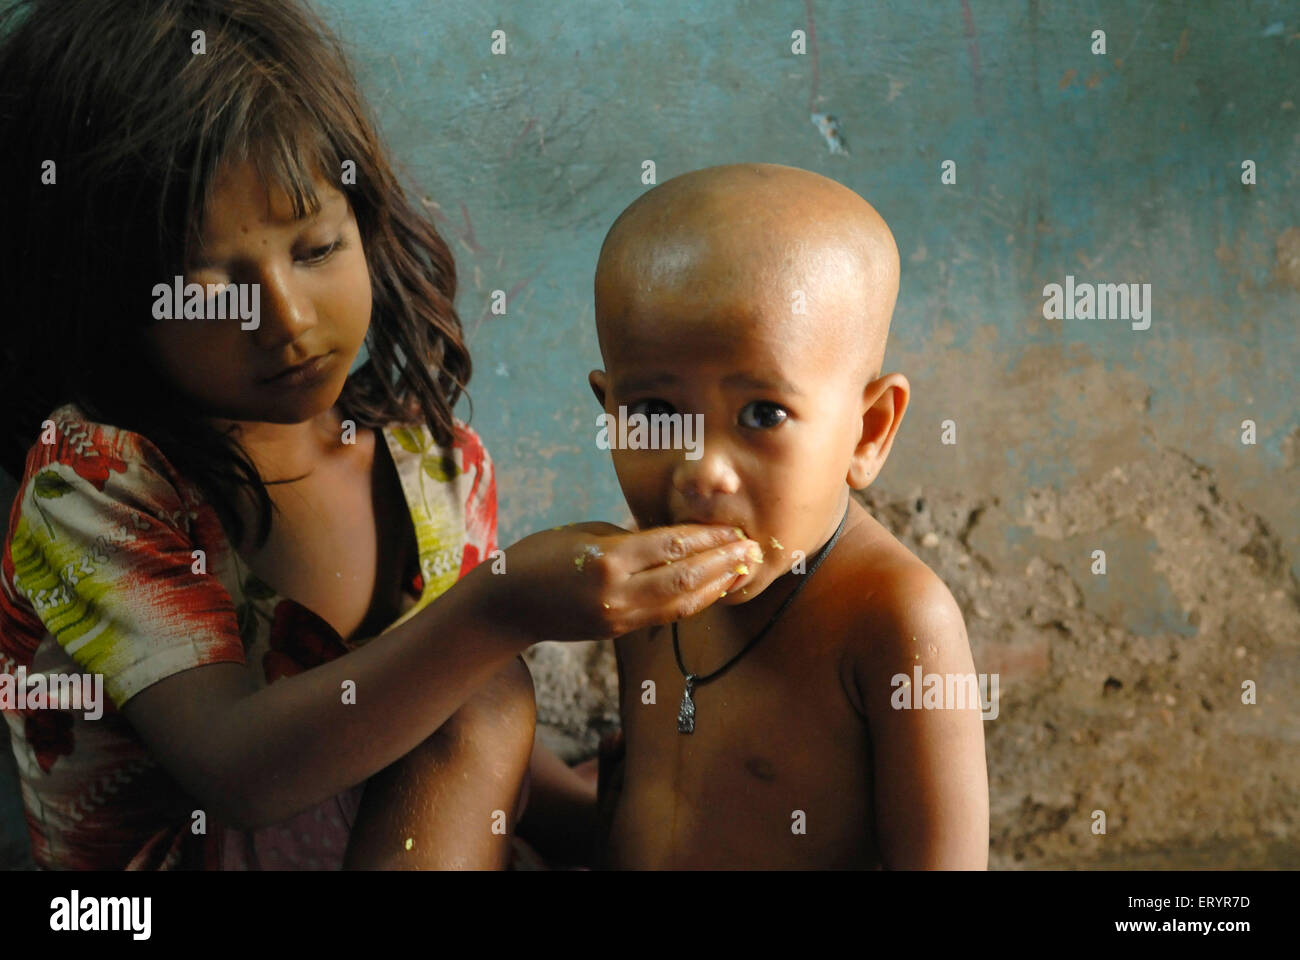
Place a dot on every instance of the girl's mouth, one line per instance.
(303, 374)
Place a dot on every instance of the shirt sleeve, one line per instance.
(480, 499)
(104, 551)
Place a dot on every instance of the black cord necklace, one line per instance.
(686, 713)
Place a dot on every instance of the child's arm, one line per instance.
(930, 774)
(560, 819)
(565, 803)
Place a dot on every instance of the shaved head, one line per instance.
(796, 248)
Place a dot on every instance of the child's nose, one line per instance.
(710, 475)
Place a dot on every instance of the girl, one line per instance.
(267, 548)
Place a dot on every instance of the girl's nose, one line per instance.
(286, 313)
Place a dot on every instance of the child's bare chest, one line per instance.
(341, 542)
(775, 774)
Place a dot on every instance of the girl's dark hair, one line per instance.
(137, 124)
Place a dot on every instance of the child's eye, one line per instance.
(660, 406)
(761, 414)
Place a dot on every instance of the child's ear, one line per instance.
(883, 404)
(598, 381)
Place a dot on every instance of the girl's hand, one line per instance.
(592, 581)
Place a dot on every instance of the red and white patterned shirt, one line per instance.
(96, 577)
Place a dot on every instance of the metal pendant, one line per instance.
(686, 712)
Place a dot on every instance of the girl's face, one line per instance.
(313, 301)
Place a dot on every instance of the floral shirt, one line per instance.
(98, 576)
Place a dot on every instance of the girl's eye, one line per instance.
(762, 415)
(321, 254)
(651, 407)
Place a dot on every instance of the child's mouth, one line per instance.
(714, 523)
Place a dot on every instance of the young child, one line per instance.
(268, 553)
(760, 732)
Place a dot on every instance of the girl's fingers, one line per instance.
(678, 606)
(685, 587)
(654, 548)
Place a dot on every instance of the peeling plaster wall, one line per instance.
(1119, 692)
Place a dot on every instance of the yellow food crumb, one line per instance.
(742, 569)
(776, 544)
(409, 843)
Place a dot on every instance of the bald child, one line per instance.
(760, 732)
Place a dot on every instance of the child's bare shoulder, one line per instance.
(896, 611)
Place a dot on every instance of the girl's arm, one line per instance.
(256, 757)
